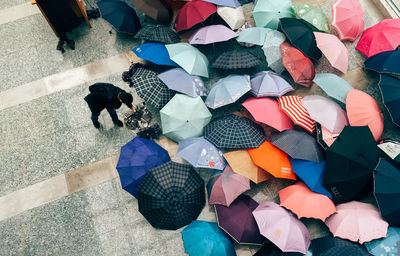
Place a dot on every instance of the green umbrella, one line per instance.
(184, 117)
(189, 58)
(254, 35)
(313, 16)
(267, 13)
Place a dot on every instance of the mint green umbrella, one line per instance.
(267, 13)
(184, 117)
(313, 16)
(189, 58)
(333, 85)
(254, 35)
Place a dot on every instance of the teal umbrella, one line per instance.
(189, 58)
(267, 13)
(184, 117)
(333, 85)
(254, 35)
(313, 17)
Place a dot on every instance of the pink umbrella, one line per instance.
(358, 222)
(334, 50)
(326, 136)
(212, 34)
(282, 228)
(267, 111)
(347, 19)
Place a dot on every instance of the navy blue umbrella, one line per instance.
(385, 62)
(390, 88)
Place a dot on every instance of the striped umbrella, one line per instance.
(294, 108)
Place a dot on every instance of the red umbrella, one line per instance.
(382, 37)
(192, 13)
(293, 107)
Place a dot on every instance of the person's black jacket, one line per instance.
(103, 95)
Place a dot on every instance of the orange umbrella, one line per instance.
(273, 160)
(305, 203)
(241, 163)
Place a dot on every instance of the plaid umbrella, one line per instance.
(171, 195)
(293, 107)
(234, 131)
(235, 60)
(158, 33)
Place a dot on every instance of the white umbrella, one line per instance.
(234, 17)
(272, 50)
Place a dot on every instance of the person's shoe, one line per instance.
(96, 124)
(119, 123)
(60, 46)
(71, 44)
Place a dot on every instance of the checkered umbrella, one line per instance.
(235, 60)
(171, 195)
(158, 33)
(233, 131)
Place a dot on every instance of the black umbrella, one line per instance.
(271, 250)
(385, 62)
(349, 163)
(158, 33)
(171, 195)
(390, 88)
(333, 246)
(236, 60)
(301, 37)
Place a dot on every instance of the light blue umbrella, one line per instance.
(333, 85)
(228, 90)
(254, 35)
(229, 3)
(272, 50)
(153, 52)
(181, 81)
(268, 83)
(267, 13)
(388, 246)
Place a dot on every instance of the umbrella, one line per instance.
(347, 19)
(120, 15)
(298, 145)
(154, 52)
(158, 33)
(176, 4)
(227, 90)
(293, 107)
(325, 138)
(349, 163)
(334, 246)
(306, 204)
(268, 12)
(381, 37)
(224, 187)
(386, 246)
(391, 148)
(326, 112)
(254, 35)
(136, 158)
(193, 13)
(236, 59)
(313, 17)
(300, 68)
(385, 62)
(203, 238)
(301, 37)
(334, 50)
(233, 131)
(268, 83)
(266, 111)
(311, 173)
(189, 58)
(179, 80)
(273, 160)
(282, 228)
(272, 50)
(241, 163)
(387, 191)
(273, 250)
(357, 222)
(171, 195)
(212, 34)
(362, 110)
(177, 119)
(333, 85)
(155, 9)
(237, 220)
(234, 17)
(229, 3)
(201, 154)
(390, 87)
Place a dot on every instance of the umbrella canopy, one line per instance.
(241, 163)
(273, 250)
(158, 33)
(390, 89)
(120, 15)
(326, 112)
(334, 246)
(193, 13)
(176, 4)
(334, 50)
(362, 110)
(181, 81)
(347, 19)
(227, 90)
(349, 163)
(212, 34)
(136, 158)
(229, 3)
(234, 17)
(171, 195)
(235, 60)
(268, 83)
(234, 131)
(154, 52)
(386, 246)
(237, 220)
(294, 108)
(203, 238)
(300, 68)
(358, 222)
(333, 85)
(201, 153)
(272, 50)
(325, 138)
(306, 204)
(385, 62)
(391, 148)
(254, 35)
(272, 160)
(155, 9)
(268, 12)
(313, 17)
(177, 119)
(189, 58)
(298, 145)
(224, 187)
(382, 37)
(282, 228)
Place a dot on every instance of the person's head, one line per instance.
(126, 98)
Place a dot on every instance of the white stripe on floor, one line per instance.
(17, 12)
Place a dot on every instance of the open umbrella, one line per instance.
(254, 35)
(234, 17)
(390, 88)
(347, 19)
(391, 148)
(268, 12)
(171, 195)
(193, 13)
(272, 50)
(154, 52)
(313, 16)
(176, 4)
(268, 83)
(325, 138)
(155, 9)
(177, 119)
(179, 80)
(333, 85)
(212, 34)
(386, 246)
(229, 3)
(385, 62)
(294, 108)
(334, 246)
(334, 50)
(189, 58)
(235, 60)
(273, 250)
(158, 33)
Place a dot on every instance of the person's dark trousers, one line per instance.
(111, 111)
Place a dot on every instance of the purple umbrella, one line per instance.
(212, 34)
(181, 81)
(238, 222)
(268, 83)
(229, 3)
